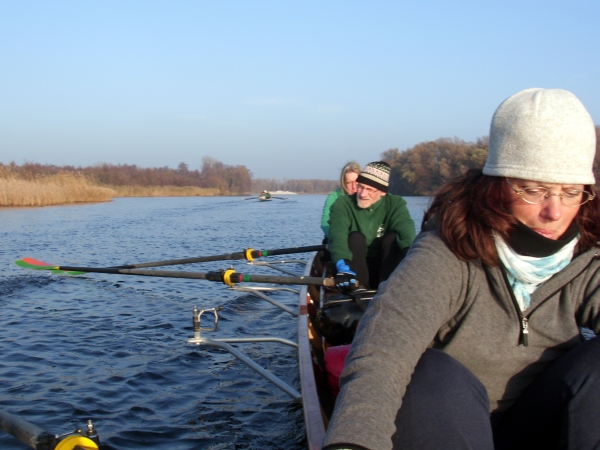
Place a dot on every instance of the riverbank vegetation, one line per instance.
(214, 178)
(422, 169)
(419, 170)
(52, 189)
(164, 191)
(33, 184)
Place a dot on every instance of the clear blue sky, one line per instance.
(289, 89)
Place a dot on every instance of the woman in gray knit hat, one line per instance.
(475, 340)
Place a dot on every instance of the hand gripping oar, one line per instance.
(248, 254)
(229, 276)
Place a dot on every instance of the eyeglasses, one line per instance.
(369, 190)
(351, 183)
(537, 195)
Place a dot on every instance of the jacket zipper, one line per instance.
(524, 331)
(524, 334)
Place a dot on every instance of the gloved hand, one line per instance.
(345, 278)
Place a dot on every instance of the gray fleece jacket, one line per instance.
(466, 310)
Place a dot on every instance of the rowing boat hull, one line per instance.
(311, 379)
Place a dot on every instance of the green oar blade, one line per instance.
(34, 264)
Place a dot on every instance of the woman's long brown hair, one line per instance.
(468, 209)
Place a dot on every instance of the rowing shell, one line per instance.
(311, 377)
(318, 387)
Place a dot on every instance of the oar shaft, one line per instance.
(141, 272)
(310, 281)
(234, 277)
(174, 262)
(287, 251)
(225, 257)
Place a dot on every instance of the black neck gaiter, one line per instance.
(527, 242)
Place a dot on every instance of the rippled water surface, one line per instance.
(114, 349)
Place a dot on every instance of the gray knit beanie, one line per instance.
(543, 135)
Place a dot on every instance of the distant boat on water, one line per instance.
(266, 196)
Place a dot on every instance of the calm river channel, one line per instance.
(114, 349)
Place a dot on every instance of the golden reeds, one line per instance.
(48, 190)
(164, 191)
(70, 187)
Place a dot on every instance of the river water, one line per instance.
(114, 349)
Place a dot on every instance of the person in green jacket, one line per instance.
(347, 186)
(370, 231)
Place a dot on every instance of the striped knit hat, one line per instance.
(376, 174)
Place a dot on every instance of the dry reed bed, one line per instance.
(164, 191)
(50, 190)
(68, 187)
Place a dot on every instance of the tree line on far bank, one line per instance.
(213, 175)
(424, 168)
(419, 170)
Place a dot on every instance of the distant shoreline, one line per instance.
(69, 188)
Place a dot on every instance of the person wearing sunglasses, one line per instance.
(484, 336)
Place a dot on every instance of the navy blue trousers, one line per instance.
(446, 407)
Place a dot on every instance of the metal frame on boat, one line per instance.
(317, 400)
(224, 343)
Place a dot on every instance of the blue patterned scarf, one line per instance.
(527, 273)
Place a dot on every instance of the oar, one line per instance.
(30, 263)
(229, 276)
(248, 254)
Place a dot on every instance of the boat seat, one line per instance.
(335, 359)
